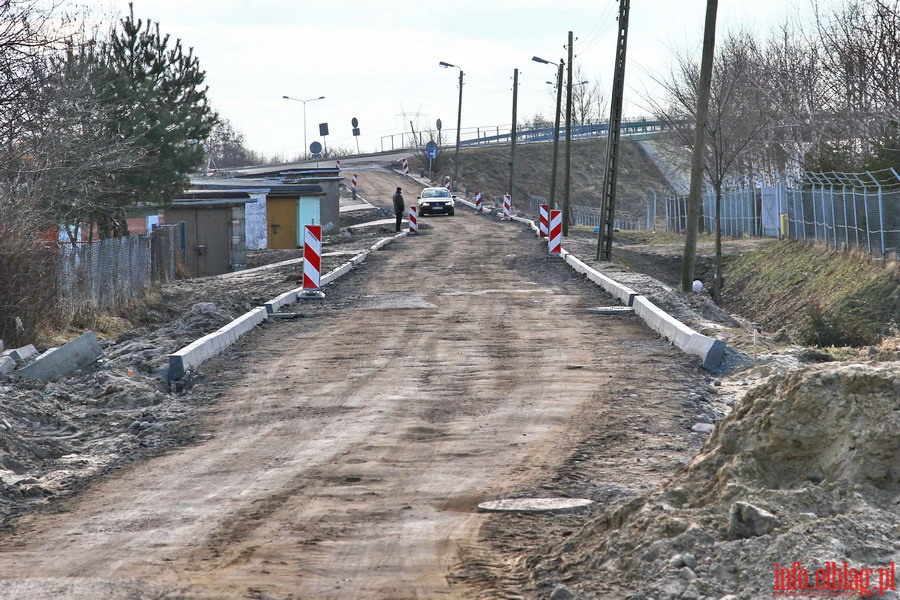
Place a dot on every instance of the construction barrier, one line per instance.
(479, 203)
(406, 166)
(337, 164)
(507, 207)
(312, 256)
(447, 182)
(353, 182)
(544, 220)
(413, 219)
(555, 231)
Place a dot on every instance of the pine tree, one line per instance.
(158, 92)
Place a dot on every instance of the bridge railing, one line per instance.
(502, 134)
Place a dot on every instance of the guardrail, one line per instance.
(502, 134)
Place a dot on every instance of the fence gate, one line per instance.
(771, 210)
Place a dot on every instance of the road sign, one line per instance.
(438, 124)
(315, 148)
(323, 129)
(431, 150)
(355, 122)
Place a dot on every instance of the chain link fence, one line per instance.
(838, 210)
(107, 275)
(589, 216)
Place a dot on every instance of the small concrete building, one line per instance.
(329, 180)
(276, 219)
(215, 236)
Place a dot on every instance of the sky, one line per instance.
(378, 61)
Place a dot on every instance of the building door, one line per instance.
(309, 215)
(281, 216)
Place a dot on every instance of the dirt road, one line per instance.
(344, 455)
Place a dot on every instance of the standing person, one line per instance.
(398, 207)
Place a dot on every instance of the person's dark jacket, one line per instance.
(399, 206)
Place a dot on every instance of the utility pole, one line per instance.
(694, 199)
(458, 131)
(568, 181)
(559, 80)
(608, 202)
(512, 154)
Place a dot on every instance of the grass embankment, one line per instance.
(815, 296)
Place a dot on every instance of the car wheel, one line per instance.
(452, 212)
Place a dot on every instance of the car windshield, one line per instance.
(436, 194)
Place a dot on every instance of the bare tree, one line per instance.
(738, 115)
(76, 155)
(860, 56)
(225, 146)
(28, 35)
(589, 102)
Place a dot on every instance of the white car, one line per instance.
(436, 201)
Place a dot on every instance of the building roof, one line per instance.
(210, 198)
(259, 186)
(289, 171)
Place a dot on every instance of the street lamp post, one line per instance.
(444, 65)
(559, 76)
(305, 147)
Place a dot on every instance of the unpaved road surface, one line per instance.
(343, 455)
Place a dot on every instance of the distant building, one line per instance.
(215, 239)
(287, 199)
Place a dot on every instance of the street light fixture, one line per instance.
(445, 65)
(305, 147)
(559, 76)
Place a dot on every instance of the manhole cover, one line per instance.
(536, 505)
(611, 310)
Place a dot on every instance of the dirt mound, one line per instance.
(806, 470)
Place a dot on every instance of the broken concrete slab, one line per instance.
(22, 354)
(66, 359)
(7, 365)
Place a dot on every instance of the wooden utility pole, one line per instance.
(458, 132)
(608, 201)
(697, 157)
(568, 180)
(559, 82)
(512, 152)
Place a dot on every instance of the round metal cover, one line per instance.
(536, 505)
(611, 310)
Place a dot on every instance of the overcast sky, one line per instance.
(378, 61)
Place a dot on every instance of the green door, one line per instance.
(307, 214)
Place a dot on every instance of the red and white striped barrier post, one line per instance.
(479, 203)
(312, 261)
(447, 182)
(555, 232)
(507, 207)
(353, 181)
(414, 219)
(544, 220)
(406, 166)
(337, 164)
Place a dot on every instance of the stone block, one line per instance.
(7, 365)
(22, 354)
(66, 359)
